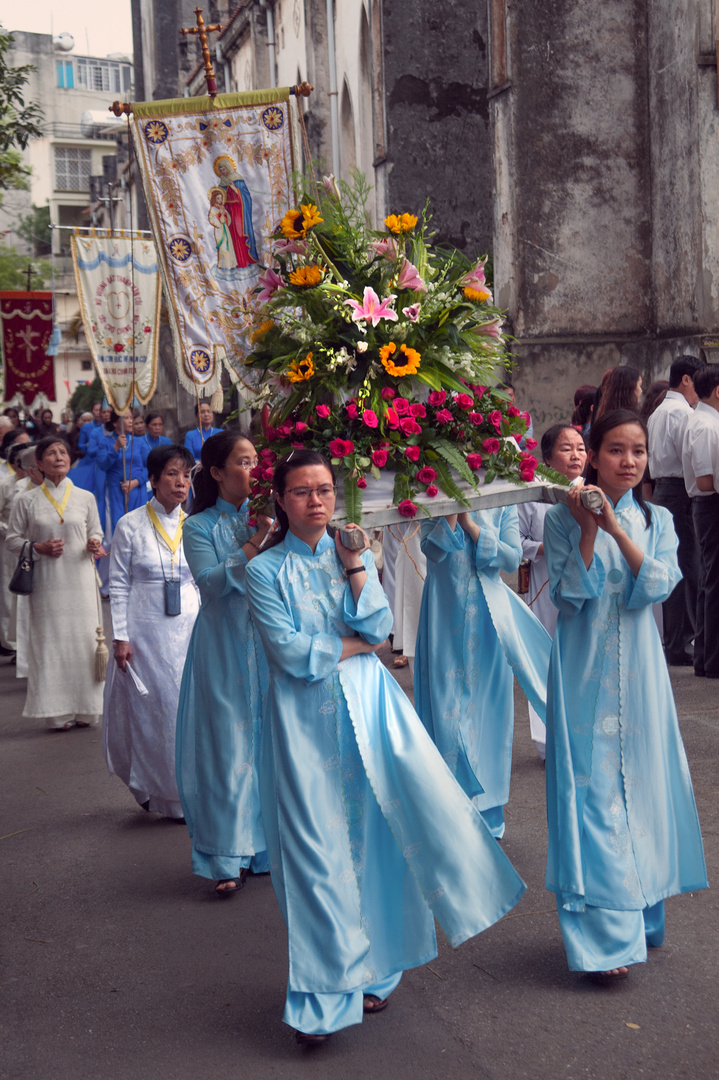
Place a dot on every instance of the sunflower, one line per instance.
(407, 365)
(478, 296)
(306, 277)
(295, 223)
(403, 223)
(261, 330)
(301, 370)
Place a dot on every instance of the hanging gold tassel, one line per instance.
(217, 401)
(102, 655)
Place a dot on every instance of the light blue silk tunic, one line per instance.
(623, 827)
(220, 707)
(368, 832)
(473, 633)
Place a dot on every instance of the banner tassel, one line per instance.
(217, 401)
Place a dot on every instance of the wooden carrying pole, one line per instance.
(124, 108)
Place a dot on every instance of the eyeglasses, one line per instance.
(246, 464)
(326, 492)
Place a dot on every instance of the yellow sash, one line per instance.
(171, 543)
(59, 507)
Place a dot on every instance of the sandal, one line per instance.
(310, 1040)
(237, 883)
(374, 1004)
(400, 662)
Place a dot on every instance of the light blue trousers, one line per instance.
(222, 867)
(599, 939)
(321, 1014)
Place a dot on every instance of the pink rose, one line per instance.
(490, 446)
(285, 430)
(518, 438)
(407, 508)
(297, 445)
(478, 391)
(495, 418)
(401, 406)
(257, 472)
(267, 474)
(513, 411)
(322, 411)
(526, 417)
(361, 483)
(528, 460)
(417, 411)
(412, 452)
(464, 401)
(268, 455)
(370, 418)
(437, 397)
(300, 427)
(388, 393)
(351, 410)
(341, 447)
(409, 426)
(432, 490)
(526, 472)
(475, 418)
(530, 443)
(444, 416)
(391, 418)
(475, 460)
(379, 458)
(426, 475)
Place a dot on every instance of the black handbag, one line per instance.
(21, 581)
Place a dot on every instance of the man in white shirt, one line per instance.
(667, 426)
(700, 461)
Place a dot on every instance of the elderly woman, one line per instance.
(154, 603)
(61, 523)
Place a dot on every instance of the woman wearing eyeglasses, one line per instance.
(368, 833)
(219, 713)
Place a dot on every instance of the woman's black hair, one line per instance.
(620, 392)
(159, 458)
(583, 409)
(214, 455)
(153, 416)
(46, 442)
(597, 434)
(653, 398)
(110, 424)
(551, 438)
(203, 401)
(296, 459)
(9, 438)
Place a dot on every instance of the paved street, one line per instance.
(118, 963)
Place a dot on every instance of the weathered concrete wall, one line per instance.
(438, 139)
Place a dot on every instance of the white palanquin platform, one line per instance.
(378, 508)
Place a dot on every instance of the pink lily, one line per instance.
(475, 279)
(270, 282)
(292, 247)
(330, 185)
(412, 312)
(372, 309)
(490, 329)
(409, 277)
(386, 248)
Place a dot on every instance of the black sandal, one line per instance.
(310, 1040)
(239, 882)
(374, 1004)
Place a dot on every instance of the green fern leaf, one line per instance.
(454, 458)
(353, 500)
(445, 481)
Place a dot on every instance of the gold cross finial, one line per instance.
(202, 30)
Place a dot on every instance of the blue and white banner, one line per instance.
(118, 283)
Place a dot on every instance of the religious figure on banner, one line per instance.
(238, 206)
(220, 221)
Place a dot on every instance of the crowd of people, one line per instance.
(245, 697)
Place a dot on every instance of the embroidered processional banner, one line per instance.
(118, 283)
(26, 328)
(217, 179)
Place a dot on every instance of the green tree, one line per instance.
(84, 397)
(18, 122)
(35, 229)
(13, 270)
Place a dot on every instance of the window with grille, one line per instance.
(106, 75)
(72, 168)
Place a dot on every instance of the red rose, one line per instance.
(412, 452)
(285, 430)
(426, 475)
(148, 329)
(432, 490)
(388, 393)
(391, 418)
(351, 410)
(271, 434)
(297, 445)
(268, 455)
(478, 391)
(267, 474)
(300, 427)
(407, 508)
(530, 443)
(370, 418)
(526, 417)
(490, 446)
(322, 411)
(444, 416)
(495, 417)
(437, 397)
(417, 411)
(513, 411)
(401, 406)
(409, 426)
(361, 483)
(341, 447)
(379, 458)
(518, 438)
(475, 418)
(118, 346)
(464, 401)
(526, 472)
(257, 472)
(527, 459)
(475, 460)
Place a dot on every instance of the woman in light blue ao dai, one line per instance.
(474, 632)
(623, 827)
(220, 709)
(368, 833)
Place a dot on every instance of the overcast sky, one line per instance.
(98, 28)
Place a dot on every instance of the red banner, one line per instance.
(26, 328)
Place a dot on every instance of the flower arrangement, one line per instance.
(378, 350)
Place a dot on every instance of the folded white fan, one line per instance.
(139, 684)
